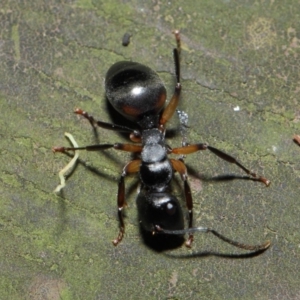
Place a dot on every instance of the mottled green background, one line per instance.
(53, 58)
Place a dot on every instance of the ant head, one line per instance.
(134, 90)
(159, 210)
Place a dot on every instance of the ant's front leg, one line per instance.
(173, 103)
(196, 147)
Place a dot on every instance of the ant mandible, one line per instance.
(138, 94)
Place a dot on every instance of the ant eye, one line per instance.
(170, 209)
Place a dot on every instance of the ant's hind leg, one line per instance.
(132, 167)
(180, 167)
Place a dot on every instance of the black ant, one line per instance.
(138, 94)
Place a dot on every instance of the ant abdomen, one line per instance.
(159, 210)
(134, 90)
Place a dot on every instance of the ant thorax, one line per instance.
(156, 169)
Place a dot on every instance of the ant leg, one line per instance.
(178, 40)
(99, 147)
(171, 107)
(131, 167)
(180, 167)
(196, 147)
(135, 135)
(255, 248)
